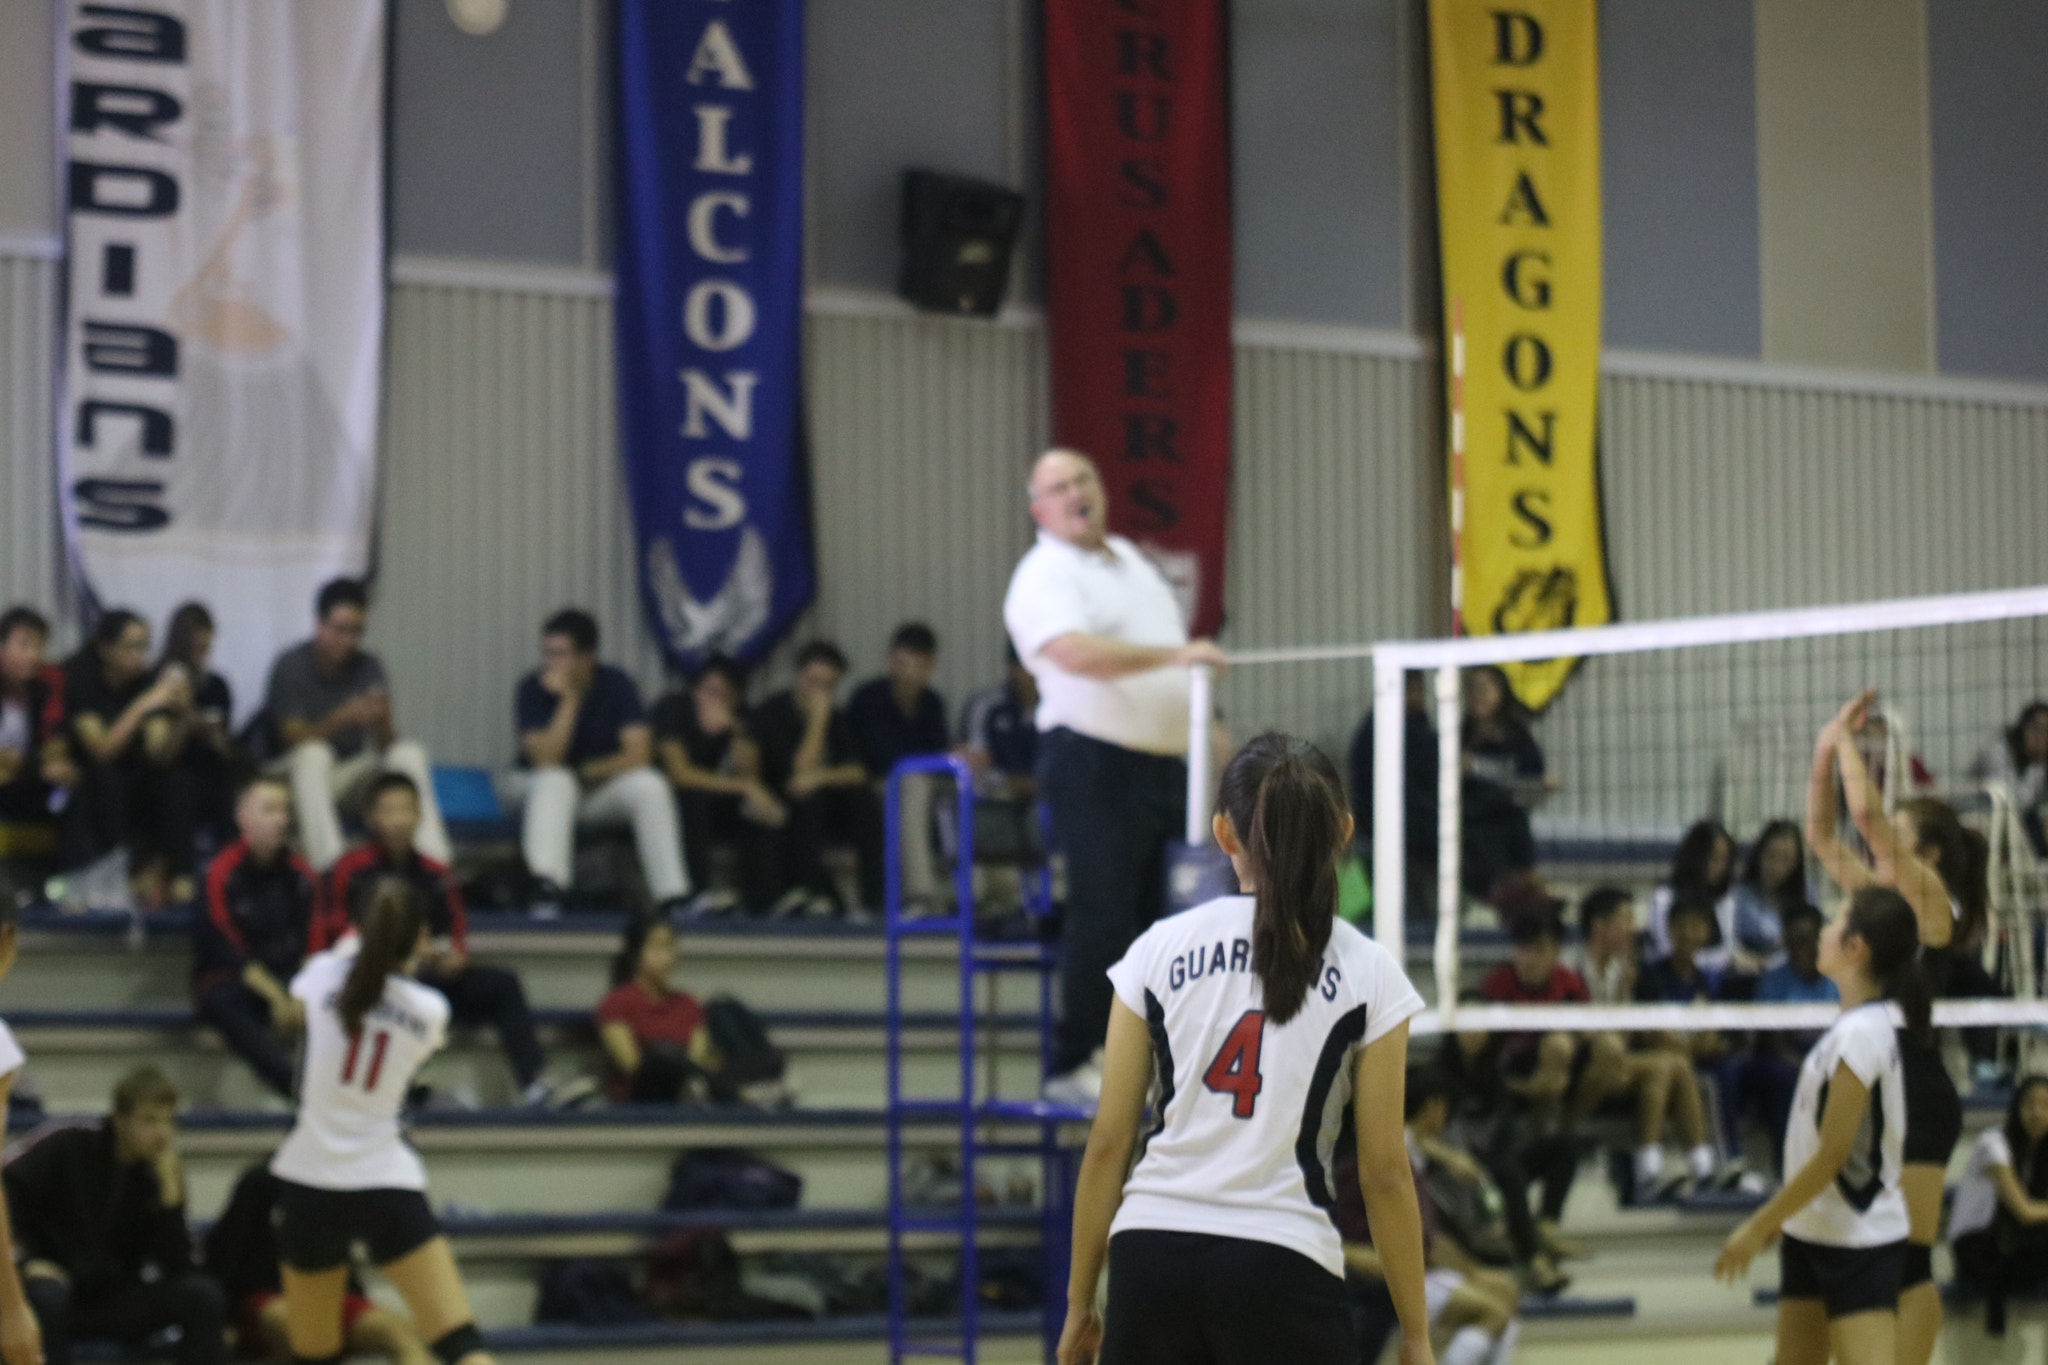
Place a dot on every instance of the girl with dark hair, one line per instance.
(1998, 1227)
(1772, 886)
(653, 1034)
(2019, 758)
(1841, 1209)
(124, 752)
(1504, 778)
(346, 1173)
(1262, 1019)
(1933, 868)
(199, 719)
(1703, 866)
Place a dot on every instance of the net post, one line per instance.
(1200, 759)
(1449, 839)
(1389, 805)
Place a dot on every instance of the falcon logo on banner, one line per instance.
(710, 299)
(1517, 104)
(224, 217)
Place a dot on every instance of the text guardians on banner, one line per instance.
(1518, 174)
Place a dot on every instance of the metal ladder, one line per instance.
(986, 1125)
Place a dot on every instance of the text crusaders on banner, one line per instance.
(709, 310)
(1518, 197)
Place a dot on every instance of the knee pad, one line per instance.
(453, 1346)
(1919, 1268)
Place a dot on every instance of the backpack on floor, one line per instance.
(588, 1293)
(728, 1178)
(693, 1274)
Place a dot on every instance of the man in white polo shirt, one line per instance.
(1100, 629)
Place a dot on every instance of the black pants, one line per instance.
(131, 1313)
(1515, 1160)
(835, 815)
(493, 996)
(150, 808)
(712, 818)
(1114, 811)
(662, 1075)
(1186, 1298)
(243, 1018)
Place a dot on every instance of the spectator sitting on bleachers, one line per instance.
(1703, 865)
(127, 793)
(1418, 790)
(98, 1212)
(999, 733)
(1774, 1071)
(2018, 758)
(1772, 885)
(653, 1034)
(1577, 1074)
(899, 716)
(702, 744)
(328, 705)
(1998, 1225)
(242, 1255)
(1681, 979)
(810, 759)
(20, 1337)
(263, 917)
(1607, 945)
(587, 751)
(34, 760)
(1504, 778)
(199, 724)
(476, 994)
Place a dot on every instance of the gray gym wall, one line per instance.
(501, 491)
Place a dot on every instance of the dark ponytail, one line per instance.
(390, 933)
(1883, 919)
(1961, 857)
(1283, 798)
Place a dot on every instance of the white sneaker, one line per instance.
(1081, 1087)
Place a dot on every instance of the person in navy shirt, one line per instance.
(899, 716)
(587, 750)
(999, 732)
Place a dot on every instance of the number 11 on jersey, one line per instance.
(1235, 1072)
(377, 1048)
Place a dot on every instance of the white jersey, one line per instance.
(1976, 1202)
(1862, 1206)
(11, 1055)
(1247, 1111)
(350, 1088)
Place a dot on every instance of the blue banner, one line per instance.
(709, 315)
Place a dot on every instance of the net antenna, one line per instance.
(1760, 683)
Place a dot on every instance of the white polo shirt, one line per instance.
(1059, 589)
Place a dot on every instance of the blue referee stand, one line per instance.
(986, 1126)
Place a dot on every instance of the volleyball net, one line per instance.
(1662, 725)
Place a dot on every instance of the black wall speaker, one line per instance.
(957, 237)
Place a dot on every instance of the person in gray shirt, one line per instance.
(329, 702)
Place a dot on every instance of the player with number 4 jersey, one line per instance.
(1256, 1024)
(346, 1172)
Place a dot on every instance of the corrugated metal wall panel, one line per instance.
(31, 546)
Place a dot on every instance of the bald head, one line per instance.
(1068, 500)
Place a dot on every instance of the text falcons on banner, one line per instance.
(1517, 104)
(710, 298)
(224, 187)
(1138, 271)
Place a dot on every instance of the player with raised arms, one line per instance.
(1254, 1022)
(1841, 1209)
(1924, 853)
(346, 1172)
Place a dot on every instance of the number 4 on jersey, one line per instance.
(1235, 1072)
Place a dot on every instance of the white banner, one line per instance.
(224, 314)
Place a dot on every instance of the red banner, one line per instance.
(1138, 247)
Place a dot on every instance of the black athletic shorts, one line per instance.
(1934, 1112)
(316, 1227)
(1846, 1279)
(1180, 1296)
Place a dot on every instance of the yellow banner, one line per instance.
(1517, 96)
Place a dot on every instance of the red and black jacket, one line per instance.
(354, 877)
(269, 912)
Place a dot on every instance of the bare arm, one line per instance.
(1387, 1182)
(634, 743)
(620, 1045)
(1099, 1192)
(1848, 1097)
(357, 710)
(1823, 819)
(1897, 865)
(1100, 656)
(549, 745)
(2015, 1199)
(687, 776)
(103, 742)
